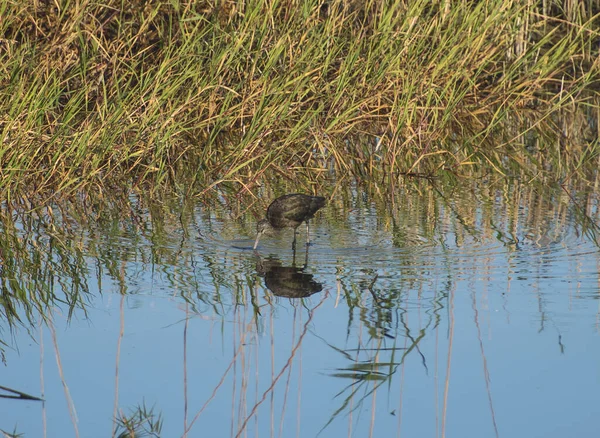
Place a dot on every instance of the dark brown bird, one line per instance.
(289, 211)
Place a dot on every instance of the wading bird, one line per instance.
(289, 211)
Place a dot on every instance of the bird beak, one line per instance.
(257, 239)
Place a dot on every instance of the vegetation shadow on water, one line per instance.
(383, 290)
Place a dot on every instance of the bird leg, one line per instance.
(294, 242)
(307, 234)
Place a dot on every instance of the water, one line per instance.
(468, 312)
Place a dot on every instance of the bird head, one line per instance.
(262, 227)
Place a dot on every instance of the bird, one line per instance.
(289, 211)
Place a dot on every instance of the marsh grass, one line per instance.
(99, 96)
(140, 422)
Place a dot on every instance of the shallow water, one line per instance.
(469, 312)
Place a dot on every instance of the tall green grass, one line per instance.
(97, 96)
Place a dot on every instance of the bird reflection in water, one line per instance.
(286, 281)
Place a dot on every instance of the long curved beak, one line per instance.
(257, 239)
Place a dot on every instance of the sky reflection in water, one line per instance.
(422, 318)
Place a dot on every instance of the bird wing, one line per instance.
(289, 208)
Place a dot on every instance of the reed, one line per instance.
(99, 96)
